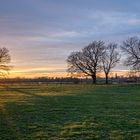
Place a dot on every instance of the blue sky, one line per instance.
(40, 34)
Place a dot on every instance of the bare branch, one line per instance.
(110, 58)
(88, 60)
(131, 47)
(4, 61)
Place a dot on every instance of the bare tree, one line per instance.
(131, 47)
(4, 60)
(110, 58)
(87, 61)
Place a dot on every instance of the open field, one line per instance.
(70, 112)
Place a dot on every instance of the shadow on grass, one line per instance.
(96, 116)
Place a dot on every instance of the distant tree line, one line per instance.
(131, 78)
(99, 56)
(41, 80)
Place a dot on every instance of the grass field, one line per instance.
(70, 112)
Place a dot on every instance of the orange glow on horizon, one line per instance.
(25, 74)
(33, 74)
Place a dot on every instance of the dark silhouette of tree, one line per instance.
(4, 61)
(131, 47)
(87, 61)
(110, 58)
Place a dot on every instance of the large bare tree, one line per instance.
(87, 61)
(110, 58)
(4, 61)
(131, 47)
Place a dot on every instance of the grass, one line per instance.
(70, 112)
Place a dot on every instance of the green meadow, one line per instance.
(69, 112)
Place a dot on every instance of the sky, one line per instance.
(40, 34)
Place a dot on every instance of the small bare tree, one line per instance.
(131, 47)
(4, 60)
(110, 58)
(87, 61)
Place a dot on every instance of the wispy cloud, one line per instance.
(134, 21)
(41, 34)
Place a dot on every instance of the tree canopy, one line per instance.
(131, 47)
(5, 59)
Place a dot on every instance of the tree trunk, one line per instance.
(94, 79)
(106, 76)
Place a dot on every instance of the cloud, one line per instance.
(134, 21)
(43, 33)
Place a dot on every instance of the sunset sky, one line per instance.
(40, 34)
